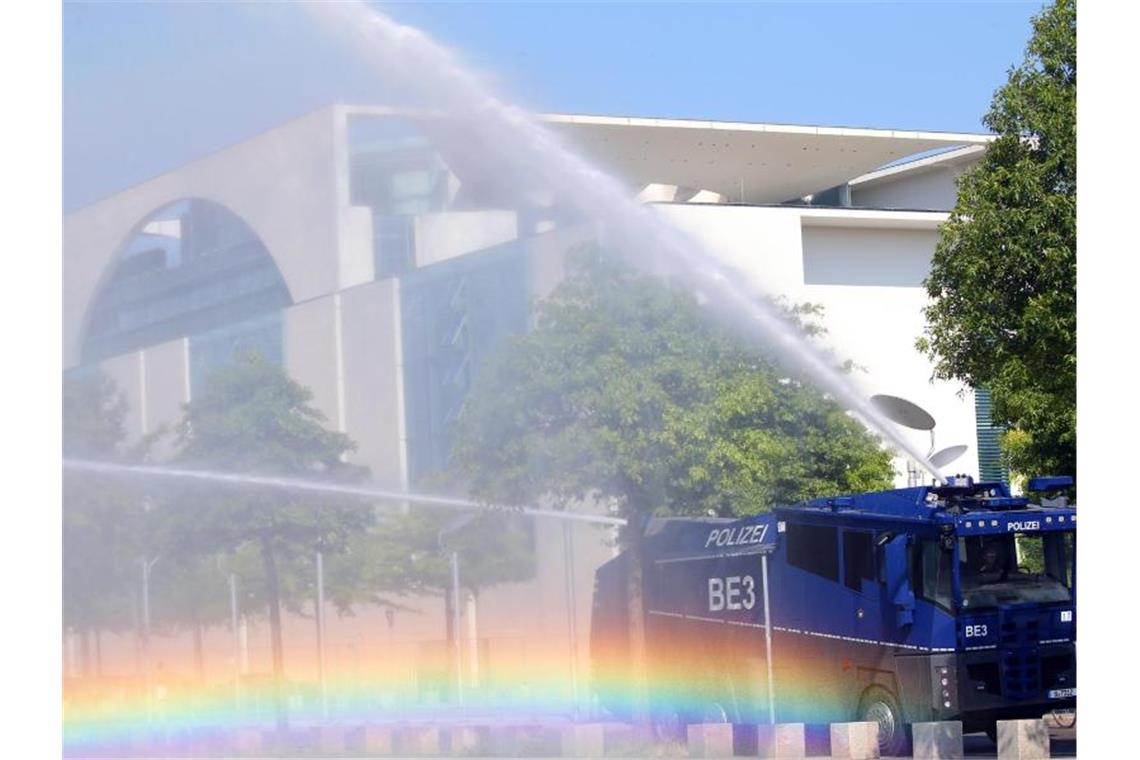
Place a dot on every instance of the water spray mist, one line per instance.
(527, 148)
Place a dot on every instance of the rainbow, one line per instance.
(123, 716)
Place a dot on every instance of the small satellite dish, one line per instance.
(906, 413)
(947, 455)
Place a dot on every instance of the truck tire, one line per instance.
(881, 706)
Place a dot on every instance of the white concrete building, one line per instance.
(379, 255)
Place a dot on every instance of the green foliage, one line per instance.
(252, 418)
(1031, 553)
(94, 414)
(1003, 280)
(626, 391)
(101, 519)
(189, 591)
(403, 555)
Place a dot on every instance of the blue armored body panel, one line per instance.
(930, 603)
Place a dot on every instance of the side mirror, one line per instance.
(898, 580)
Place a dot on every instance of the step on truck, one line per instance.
(948, 602)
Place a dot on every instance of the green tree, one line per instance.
(403, 555)
(101, 519)
(626, 392)
(1003, 278)
(191, 591)
(251, 417)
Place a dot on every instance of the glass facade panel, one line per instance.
(192, 267)
(393, 245)
(991, 465)
(454, 314)
(210, 350)
(394, 169)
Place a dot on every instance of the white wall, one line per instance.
(449, 234)
(866, 271)
(281, 183)
(931, 189)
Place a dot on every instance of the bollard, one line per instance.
(371, 739)
(1022, 739)
(524, 740)
(619, 738)
(329, 740)
(502, 741)
(466, 741)
(247, 741)
(710, 739)
(783, 740)
(417, 740)
(938, 739)
(584, 740)
(855, 741)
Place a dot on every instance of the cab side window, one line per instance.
(935, 574)
(858, 558)
(814, 548)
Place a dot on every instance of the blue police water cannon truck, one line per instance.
(947, 602)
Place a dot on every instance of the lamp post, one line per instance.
(321, 636)
(571, 612)
(237, 641)
(147, 565)
(455, 600)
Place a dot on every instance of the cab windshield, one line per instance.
(1015, 568)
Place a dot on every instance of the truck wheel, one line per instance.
(880, 706)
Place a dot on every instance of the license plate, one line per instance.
(1062, 693)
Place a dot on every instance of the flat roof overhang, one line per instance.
(744, 162)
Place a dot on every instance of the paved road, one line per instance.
(1062, 744)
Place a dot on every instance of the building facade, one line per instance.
(380, 255)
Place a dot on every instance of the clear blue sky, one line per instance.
(149, 86)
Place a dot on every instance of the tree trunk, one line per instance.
(85, 652)
(98, 653)
(638, 655)
(199, 663)
(270, 563)
(452, 667)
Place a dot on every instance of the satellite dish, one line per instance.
(947, 455)
(906, 413)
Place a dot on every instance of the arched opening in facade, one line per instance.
(192, 269)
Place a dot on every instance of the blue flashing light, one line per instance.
(959, 481)
(1053, 483)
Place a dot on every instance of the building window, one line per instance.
(858, 559)
(393, 241)
(814, 548)
(394, 169)
(454, 314)
(991, 464)
(213, 349)
(192, 267)
(934, 573)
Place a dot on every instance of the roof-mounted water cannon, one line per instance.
(910, 415)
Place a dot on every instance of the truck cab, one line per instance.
(975, 592)
(947, 602)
